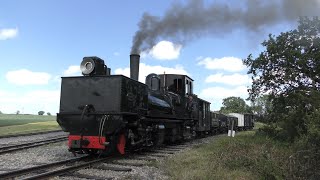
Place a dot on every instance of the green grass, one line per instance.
(22, 124)
(29, 128)
(13, 119)
(258, 125)
(246, 156)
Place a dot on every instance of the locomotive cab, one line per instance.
(182, 85)
(179, 84)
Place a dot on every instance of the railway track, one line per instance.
(70, 166)
(75, 167)
(21, 146)
(33, 171)
(29, 134)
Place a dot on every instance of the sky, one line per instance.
(42, 41)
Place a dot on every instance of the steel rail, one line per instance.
(20, 172)
(29, 134)
(66, 170)
(17, 147)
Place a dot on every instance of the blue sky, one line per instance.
(40, 41)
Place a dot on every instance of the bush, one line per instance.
(41, 113)
(304, 164)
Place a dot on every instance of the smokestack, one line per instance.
(134, 66)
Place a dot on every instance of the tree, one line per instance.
(234, 105)
(48, 113)
(1, 112)
(288, 70)
(17, 112)
(41, 113)
(262, 107)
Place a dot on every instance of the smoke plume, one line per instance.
(195, 18)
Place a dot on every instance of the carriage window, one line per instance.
(176, 86)
(188, 87)
(155, 84)
(204, 111)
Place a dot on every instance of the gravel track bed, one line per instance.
(147, 171)
(59, 151)
(35, 156)
(143, 172)
(31, 138)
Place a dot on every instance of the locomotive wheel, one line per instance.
(116, 145)
(121, 143)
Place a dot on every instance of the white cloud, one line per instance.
(8, 33)
(234, 79)
(26, 77)
(72, 71)
(30, 102)
(231, 64)
(216, 94)
(165, 50)
(145, 70)
(219, 93)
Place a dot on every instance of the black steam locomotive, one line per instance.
(107, 113)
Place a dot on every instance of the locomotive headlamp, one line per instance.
(93, 66)
(87, 66)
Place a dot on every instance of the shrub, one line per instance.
(41, 113)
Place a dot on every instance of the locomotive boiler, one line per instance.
(106, 113)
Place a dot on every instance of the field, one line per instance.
(246, 156)
(20, 124)
(13, 119)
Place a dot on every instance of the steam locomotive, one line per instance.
(106, 113)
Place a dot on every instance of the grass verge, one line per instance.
(29, 128)
(246, 156)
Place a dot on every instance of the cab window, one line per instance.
(188, 86)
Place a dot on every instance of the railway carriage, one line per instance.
(245, 121)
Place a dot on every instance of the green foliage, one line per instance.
(17, 112)
(262, 107)
(288, 70)
(234, 105)
(48, 113)
(41, 113)
(305, 162)
(289, 63)
(1, 112)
